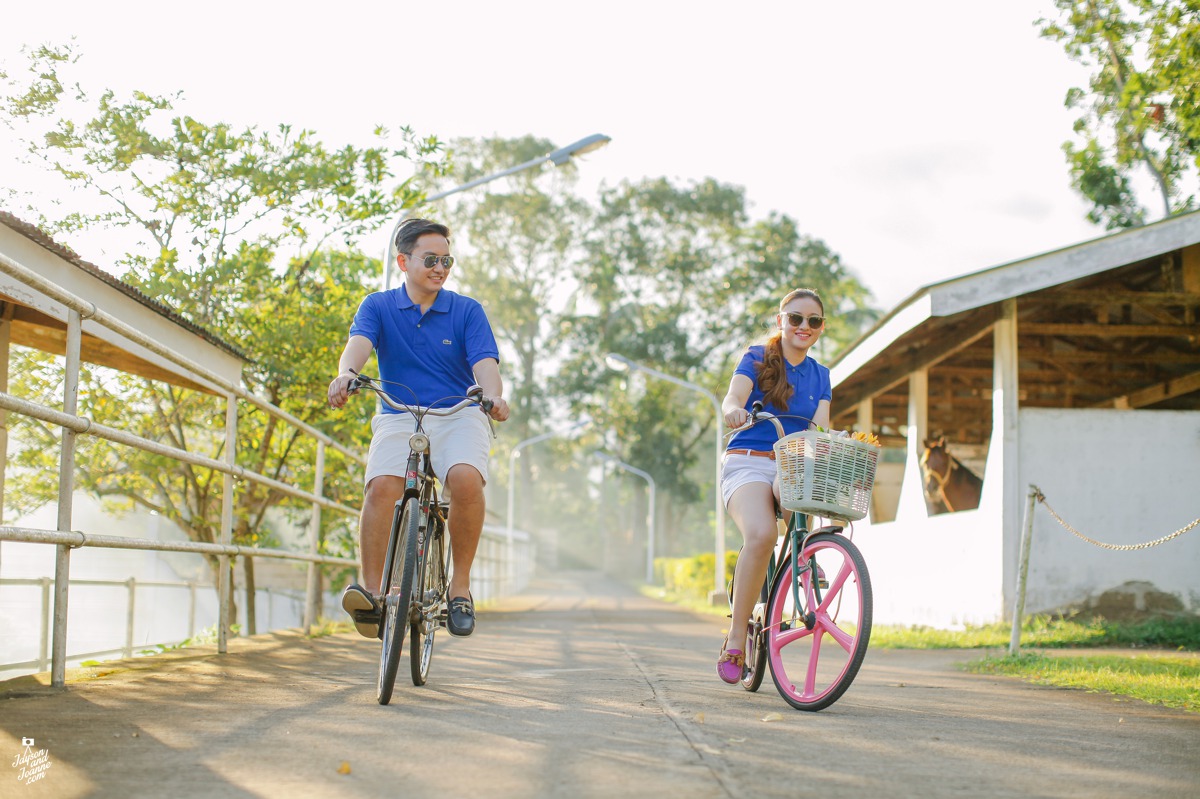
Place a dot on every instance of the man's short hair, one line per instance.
(413, 229)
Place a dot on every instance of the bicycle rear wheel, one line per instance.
(430, 592)
(814, 663)
(397, 598)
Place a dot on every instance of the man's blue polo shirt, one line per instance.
(431, 354)
(811, 384)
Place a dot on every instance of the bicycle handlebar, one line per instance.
(757, 414)
(474, 397)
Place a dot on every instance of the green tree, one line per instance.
(233, 229)
(678, 278)
(1139, 109)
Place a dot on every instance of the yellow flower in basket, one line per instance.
(866, 438)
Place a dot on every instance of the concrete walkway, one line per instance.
(577, 688)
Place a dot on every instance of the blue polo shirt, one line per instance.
(811, 383)
(432, 354)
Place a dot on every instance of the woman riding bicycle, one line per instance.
(789, 383)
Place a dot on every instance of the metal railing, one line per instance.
(65, 538)
(131, 586)
(490, 578)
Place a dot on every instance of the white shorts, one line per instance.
(739, 470)
(462, 438)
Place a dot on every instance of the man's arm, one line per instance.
(358, 349)
(487, 374)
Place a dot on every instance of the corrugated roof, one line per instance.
(43, 239)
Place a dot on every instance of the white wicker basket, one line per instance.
(826, 475)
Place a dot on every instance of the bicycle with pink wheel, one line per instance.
(812, 624)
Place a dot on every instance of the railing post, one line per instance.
(312, 604)
(224, 581)
(44, 649)
(191, 610)
(66, 490)
(130, 610)
(1014, 645)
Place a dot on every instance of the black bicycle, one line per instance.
(415, 580)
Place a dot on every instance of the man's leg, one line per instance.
(374, 528)
(467, 507)
(466, 525)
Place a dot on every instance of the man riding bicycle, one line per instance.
(435, 343)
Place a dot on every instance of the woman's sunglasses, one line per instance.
(796, 319)
(430, 261)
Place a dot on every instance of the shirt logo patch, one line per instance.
(446, 341)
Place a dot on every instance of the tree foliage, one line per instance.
(235, 230)
(1140, 108)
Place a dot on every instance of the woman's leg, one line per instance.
(752, 508)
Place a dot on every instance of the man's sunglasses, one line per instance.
(430, 261)
(796, 319)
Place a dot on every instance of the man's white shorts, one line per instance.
(739, 470)
(462, 438)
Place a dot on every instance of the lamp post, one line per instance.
(604, 456)
(512, 477)
(557, 157)
(620, 363)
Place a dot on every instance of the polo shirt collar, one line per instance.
(441, 303)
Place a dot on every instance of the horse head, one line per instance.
(949, 486)
(936, 466)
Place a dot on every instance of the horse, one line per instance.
(949, 486)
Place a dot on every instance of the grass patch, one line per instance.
(686, 599)
(1158, 678)
(1182, 633)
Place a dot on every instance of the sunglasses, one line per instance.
(430, 261)
(796, 319)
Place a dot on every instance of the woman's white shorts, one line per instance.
(461, 438)
(739, 470)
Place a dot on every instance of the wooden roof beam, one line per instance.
(952, 340)
(1159, 392)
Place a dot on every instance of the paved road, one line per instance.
(577, 688)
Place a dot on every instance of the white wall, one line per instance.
(1119, 477)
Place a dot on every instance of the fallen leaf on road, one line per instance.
(773, 717)
(344, 768)
(699, 718)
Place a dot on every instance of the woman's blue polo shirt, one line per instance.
(810, 381)
(432, 354)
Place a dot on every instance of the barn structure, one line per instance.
(1077, 371)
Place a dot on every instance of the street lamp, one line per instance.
(620, 363)
(557, 157)
(512, 471)
(604, 456)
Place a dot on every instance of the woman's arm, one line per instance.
(821, 417)
(734, 404)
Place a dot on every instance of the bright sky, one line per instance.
(920, 140)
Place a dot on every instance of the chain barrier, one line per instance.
(1118, 547)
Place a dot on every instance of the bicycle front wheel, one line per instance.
(430, 593)
(815, 651)
(398, 597)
